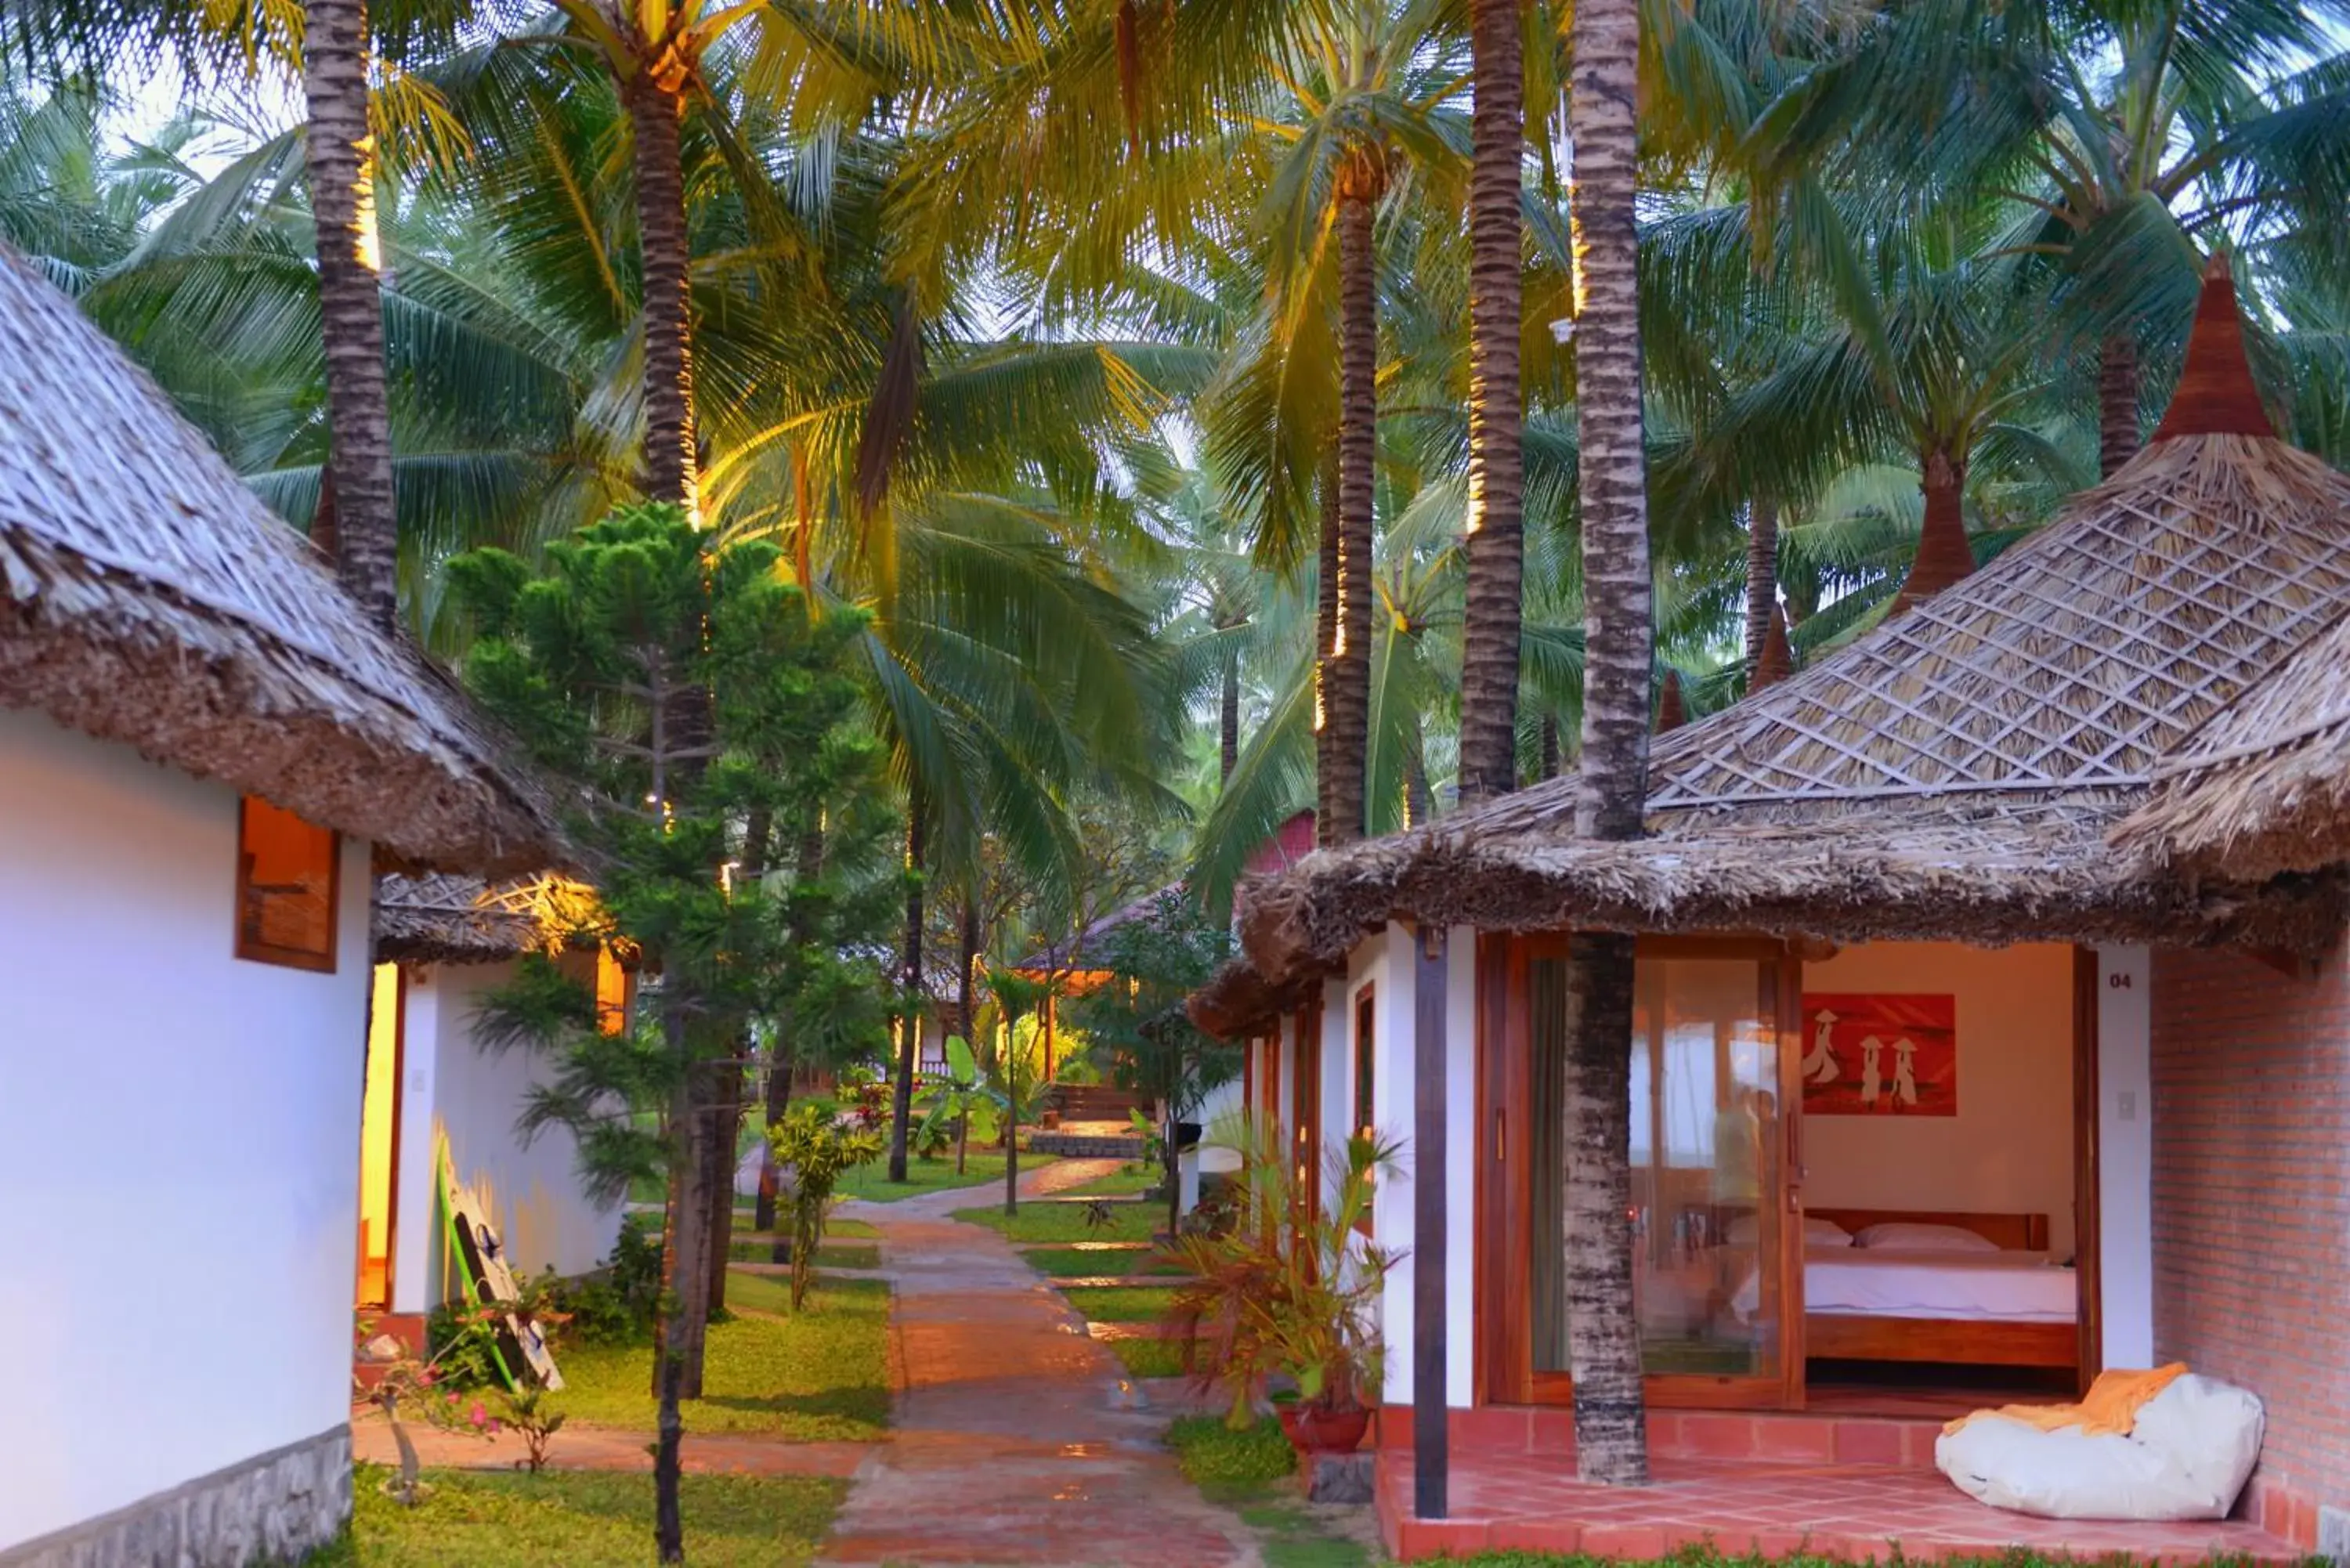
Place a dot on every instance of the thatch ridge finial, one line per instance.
(2216, 394)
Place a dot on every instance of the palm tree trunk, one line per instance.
(1603, 1335)
(1761, 574)
(1603, 1329)
(2118, 386)
(901, 1102)
(654, 116)
(1489, 660)
(1228, 716)
(1349, 691)
(685, 1316)
(341, 151)
(1325, 657)
(809, 866)
(1944, 554)
(1549, 746)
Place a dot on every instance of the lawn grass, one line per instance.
(1122, 1304)
(1247, 1472)
(1067, 1223)
(872, 1183)
(1210, 1452)
(1150, 1357)
(1072, 1262)
(1124, 1182)
(831, 1255)
(820, 1375)
(580, 1519)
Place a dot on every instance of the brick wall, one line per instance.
(2251, 1202)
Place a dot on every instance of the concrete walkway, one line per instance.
(1017, 1439)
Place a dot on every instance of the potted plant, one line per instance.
(1286, 1292)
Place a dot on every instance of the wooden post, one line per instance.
(1431, 1452)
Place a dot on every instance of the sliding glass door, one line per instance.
(1710, 1199)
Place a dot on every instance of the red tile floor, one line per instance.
(1530, 1501)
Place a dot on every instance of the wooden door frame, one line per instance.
(1305, 1102)
(2088, 1273)
(1504, 1189)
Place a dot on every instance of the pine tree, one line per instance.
(690, 703)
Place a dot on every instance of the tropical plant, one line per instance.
(1013, 1076)
(682, 689)
(1136, 1021)
(1294, 1290)
(948, 1103)
(816, 1147)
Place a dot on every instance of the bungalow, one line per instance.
(204, 748)
(437, 1104)
(1991, 1020)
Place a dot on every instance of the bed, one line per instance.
(2013, 1308)
(2010, 1307)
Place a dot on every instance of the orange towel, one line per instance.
(2110, 1408)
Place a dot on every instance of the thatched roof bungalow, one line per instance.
(203, 746)
(1926, 929)
(148, 597)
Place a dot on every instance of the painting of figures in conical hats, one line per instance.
(1880, 1053)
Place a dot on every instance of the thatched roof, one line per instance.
(2265, 787)
(1954, 773)
(148, 597)
(448, 918)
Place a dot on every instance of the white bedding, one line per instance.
(1979, 1287)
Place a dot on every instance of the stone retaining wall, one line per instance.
(272, 1508)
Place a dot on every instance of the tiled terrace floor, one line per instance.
(1532, 1502)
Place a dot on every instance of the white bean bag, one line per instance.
(2187, 1458)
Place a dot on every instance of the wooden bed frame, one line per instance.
(1839, 1336)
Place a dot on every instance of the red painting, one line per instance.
(1880, 1054)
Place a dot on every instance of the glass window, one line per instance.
(287, 874)
(1704, 1164)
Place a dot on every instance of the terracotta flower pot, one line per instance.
(1326, 1431)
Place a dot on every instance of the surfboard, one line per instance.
(489, 1279)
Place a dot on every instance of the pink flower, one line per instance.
(426, 1377)
(493, 1429)
(480, 1417)
(452, 1398)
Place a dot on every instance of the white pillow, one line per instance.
(1744, 1232)
(1915, 1238)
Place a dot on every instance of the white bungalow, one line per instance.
(435, 1097)
(203, 746)
(1978, 1044)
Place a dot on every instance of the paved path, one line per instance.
(584, 1447)
(1017, 1439)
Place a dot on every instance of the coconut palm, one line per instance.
(2144, 136)
(1603, 1335)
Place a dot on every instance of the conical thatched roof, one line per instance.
(449, 919)
(2265, 787)
(148, 597)
(1954, 773)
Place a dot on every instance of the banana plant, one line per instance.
(950, 1100)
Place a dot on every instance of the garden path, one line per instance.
(1016, 1438)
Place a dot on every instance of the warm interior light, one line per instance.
(377, 1105)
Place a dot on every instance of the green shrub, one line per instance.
(461, 1343)
(1211, 1452)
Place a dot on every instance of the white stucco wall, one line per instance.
(452, 1087)
(2125, 1156)
(179, 1141)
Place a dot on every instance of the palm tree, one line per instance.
(1603, 1334)
(358, 492)
(2143, 136)
(1489, 657)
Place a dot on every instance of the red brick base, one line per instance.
(1763, 1438)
